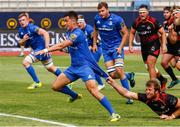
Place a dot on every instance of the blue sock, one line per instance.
(57, 72)
(125, 84)
(69, 92)
(104, 101)
(32, 73)
(128, 75)
(98, 79)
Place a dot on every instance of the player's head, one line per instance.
(70, 19)
(81, 22)
(143, 12)
(152, 88)
(103, 9)
(23, 19)
(176, 13)
(167, 12)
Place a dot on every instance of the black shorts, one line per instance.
(150, 48)
(173, 49)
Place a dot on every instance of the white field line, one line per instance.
(137, 73)
(36, 119)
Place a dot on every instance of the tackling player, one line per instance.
(165, 105)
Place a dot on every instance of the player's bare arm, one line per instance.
(174, 115)
(45, 34)
(124, 92)
(95, 38)
(131, 38)
(58, 46)
(23, 41)
(124, 32)
(163, 40)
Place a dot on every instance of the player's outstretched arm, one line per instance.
(58, 46)
(122, 91)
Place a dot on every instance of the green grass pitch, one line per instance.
(45, 104)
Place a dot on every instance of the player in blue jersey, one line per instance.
(83, 64)
(38, 39)
(88, 31)
(114, 34)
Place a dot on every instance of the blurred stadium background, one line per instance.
(44, 103)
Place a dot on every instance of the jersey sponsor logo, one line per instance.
(148, 27)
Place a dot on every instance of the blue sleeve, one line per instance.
(95, 21)
(120, 23)
(90, 31)
(75, 37)
(33, 28)
(19, 34)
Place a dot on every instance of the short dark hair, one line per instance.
(143, 6)
(168, 8)
(102, 4)
(72, 15)
(154, 83)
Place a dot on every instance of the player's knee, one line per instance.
(25, 63)
(163, 64)
(93, 90)
(54, 88)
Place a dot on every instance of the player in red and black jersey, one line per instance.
(173, 49)
(148, 28)
(174, 35)
(165, 105)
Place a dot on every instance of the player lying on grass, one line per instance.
(165, 105)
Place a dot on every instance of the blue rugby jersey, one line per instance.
(88, 30)
(36, 42)
(109, 30)
(80, 53)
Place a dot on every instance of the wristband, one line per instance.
(45, 50)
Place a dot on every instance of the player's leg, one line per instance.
(130, 76)
(151, 61)
(178, 62)
(29, 68)
(21, 54)
(177, 81)
(60, 83)
(48, 64)
(119, 64)
(87, 75)
(97, 56)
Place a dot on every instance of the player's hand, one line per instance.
(44, 51)
(119, 50)
(26, 37)
(164, 49)
(110, 81)
(163, 116)
(94, 48)
(131, 50)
